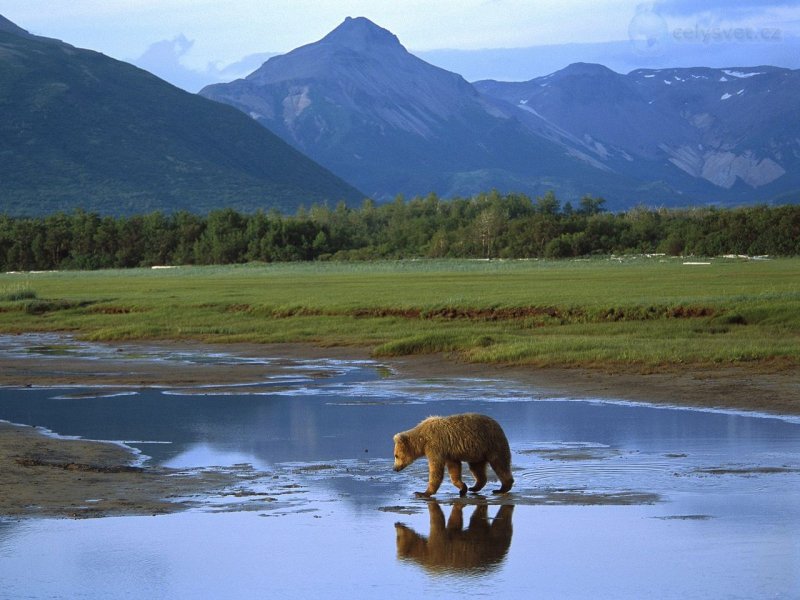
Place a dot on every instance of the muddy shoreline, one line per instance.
(742, 387)
(42, 475)
(47, 476)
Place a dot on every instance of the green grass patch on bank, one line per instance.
(649, 312)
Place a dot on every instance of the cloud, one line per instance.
(163, 59)
(166, 51)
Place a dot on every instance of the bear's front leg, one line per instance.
(435, 476)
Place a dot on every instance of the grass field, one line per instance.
(643, 313)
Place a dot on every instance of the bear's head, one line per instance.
(403, 455)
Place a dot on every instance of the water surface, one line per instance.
(611, 500)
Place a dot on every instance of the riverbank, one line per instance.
(738, 388)
(741, 387)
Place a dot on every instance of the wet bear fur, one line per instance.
(475, 439)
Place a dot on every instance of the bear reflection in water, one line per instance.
(482, 546)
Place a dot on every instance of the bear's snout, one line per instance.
(399, 467)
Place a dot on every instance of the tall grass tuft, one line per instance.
(18, 292)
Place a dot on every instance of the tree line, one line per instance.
(489, 225)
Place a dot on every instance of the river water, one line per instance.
(611, 500)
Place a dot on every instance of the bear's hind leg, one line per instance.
(503, 471)
(478, 470)
(454, 468)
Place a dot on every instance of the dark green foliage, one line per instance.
(486, 226)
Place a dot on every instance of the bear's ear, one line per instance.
(400, 439)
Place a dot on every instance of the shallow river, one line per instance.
(611, 500)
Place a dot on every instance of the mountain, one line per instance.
(79, 129)
(388, 122)
(359, 103)
(735, 131)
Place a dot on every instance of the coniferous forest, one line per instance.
(489, 225)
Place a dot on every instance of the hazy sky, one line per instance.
(220, 32)
(226, 30)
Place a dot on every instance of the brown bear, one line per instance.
(447, 441)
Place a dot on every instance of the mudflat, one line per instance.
(746, 388)
(42, 475)
(46, 476)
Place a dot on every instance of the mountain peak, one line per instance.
(360, 33)
(584, 69)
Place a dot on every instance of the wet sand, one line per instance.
(745, 388)
(45, 476)
(42, 475)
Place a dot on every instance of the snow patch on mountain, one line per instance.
(740, 74)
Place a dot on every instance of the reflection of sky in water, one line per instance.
(564, 552)
(206, 455)
(733, 534)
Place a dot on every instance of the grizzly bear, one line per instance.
(475, 439)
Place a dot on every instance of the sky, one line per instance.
(209, 38)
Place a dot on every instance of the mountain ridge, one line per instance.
(390, 123)
(7, 26)
(80, 129)
(735, 128)
(359, 103)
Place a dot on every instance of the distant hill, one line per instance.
(388, 122)
(79, 129)
(622, 56)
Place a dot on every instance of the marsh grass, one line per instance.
(637, 312)
(17, 291)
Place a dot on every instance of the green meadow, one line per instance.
(635, 312)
